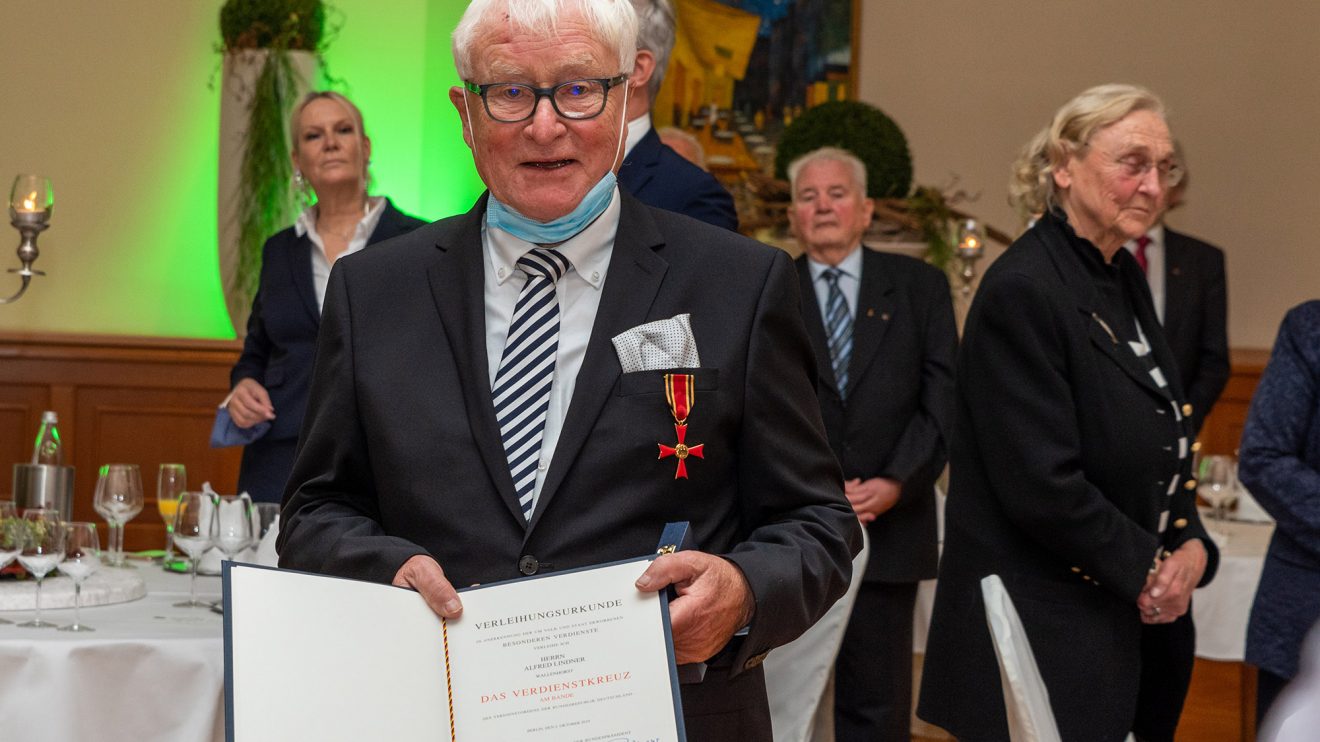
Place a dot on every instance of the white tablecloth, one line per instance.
(149, 672)
(1221, 608)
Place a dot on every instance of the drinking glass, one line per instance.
(43, 548)
(12, 532)
(1218, 482)
(170, 483)
(195, 530)
(118, 499)
(233, 524)
(82, 557)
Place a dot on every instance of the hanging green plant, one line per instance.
(266, 200)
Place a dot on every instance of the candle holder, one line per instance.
(30, 203)
(971, 247)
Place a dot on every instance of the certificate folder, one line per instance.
(569, 656)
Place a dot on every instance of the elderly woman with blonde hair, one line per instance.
(1070, 459)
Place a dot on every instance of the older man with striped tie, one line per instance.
(882, 329)
(495, 395)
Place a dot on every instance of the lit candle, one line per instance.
(30, 204)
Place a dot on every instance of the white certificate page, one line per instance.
(578, 656)
(574, 656)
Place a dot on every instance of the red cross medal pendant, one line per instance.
(680, 393)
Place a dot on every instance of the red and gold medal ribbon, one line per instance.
(681, 394)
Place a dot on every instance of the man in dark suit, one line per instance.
(423, 450)
(1190, 293)
(883, 332)
(652, 171)
(1188, 284)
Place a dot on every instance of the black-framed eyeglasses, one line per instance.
(511, 102)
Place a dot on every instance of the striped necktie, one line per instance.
(521, 391)
(838, 329)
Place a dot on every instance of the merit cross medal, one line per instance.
(681, 394)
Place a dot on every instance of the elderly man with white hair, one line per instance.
(480, 410)
(882, 329)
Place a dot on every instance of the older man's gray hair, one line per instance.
(655, 34)
(613, 22)
(831, 154)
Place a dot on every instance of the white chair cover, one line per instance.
(799, 675)
(1030, 718)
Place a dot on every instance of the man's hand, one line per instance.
(873, 497)
(423, 574)
(249, 404)
(1168, 592)
(713, 601)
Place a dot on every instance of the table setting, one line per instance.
(96, 643)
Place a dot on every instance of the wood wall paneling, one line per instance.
(135, 400)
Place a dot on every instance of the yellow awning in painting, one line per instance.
(715, 37)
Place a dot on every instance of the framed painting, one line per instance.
(741, 70)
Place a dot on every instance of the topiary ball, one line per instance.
(263, 24)
(863, 130)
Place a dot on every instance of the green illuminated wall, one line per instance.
(120, 109)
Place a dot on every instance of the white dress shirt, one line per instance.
(850, 281)
(1154, 266)
(579, 298)
(306, 225)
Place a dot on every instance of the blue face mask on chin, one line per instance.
(556, 230)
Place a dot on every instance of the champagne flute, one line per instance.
(1217, 481)
(118, 499)
(42, 550)
(170, 483)
(12, 537)
(233, 524)
(82, 557)
(195, 531)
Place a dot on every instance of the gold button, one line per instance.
(1167, 553)
(1180, 523)
(1196, 447)
(1189, 484)
(1077, 570)
(1086, 577)
(1187, 409)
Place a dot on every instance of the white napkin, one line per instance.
(666, 343)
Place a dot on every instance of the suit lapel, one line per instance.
(815, 323)
(876, 303)
(631, 284)
(457, 287)
(300, 265)
(1101, 328)
(1175, 299)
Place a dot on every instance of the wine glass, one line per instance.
(82, 557)
(195, 530)
(170, 483)
(118, 499)
(12, 536)
(43, 548)
(233, 524)
(1217, 483)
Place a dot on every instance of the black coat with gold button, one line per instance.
(1064, 452)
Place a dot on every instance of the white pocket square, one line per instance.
(663, 344)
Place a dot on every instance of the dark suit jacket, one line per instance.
(658, 176)
(400, 453)
(1195, 318)
(1061, 460)
(899, 409)
(281, 340)
(1281, 468)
